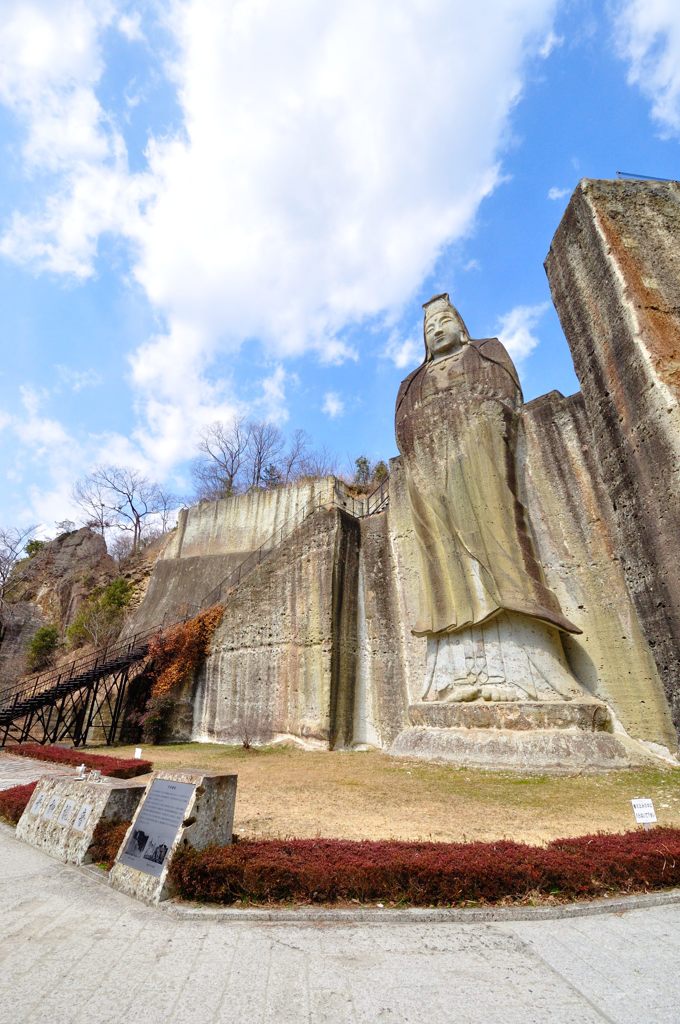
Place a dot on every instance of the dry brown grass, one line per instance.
(283, 792)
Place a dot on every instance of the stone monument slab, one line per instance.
(179, 809)
(64, 811)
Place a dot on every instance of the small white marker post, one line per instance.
(643, 809)
(138, 753)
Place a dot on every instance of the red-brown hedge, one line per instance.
(116, 767)
(430, 874)
(106, 841)
(13, 801)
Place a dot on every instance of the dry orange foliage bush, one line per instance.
(177, 652)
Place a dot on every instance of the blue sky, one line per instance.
(220, 208)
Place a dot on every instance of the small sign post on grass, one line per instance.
(643, 809)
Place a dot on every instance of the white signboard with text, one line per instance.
(643, 808)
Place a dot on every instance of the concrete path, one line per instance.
(73, 951)
(18, 771)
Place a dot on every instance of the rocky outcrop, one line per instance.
(63, 573)
(50, 589)
(614, 271)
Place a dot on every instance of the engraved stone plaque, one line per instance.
(64, 811)
(51, 808)
(158, 822)
(38, 804)
(82, 818)
(67, 811)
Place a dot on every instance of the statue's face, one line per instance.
(444, 332)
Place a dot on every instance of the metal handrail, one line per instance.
(103, 657)
(42, 682)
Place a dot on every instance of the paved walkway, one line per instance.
(17, 771)
(73, 951)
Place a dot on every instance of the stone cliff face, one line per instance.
(614, 271)
(575, 537)
(282, 662)
(52, 587)
(211, 540)
(316, 643)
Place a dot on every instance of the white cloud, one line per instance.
(558, 193)
(516, 329)
(472, 264)
(333, 405)
(327, 155)
(272, 404)
(648, 38)
(130, 25)
(550, 43)
(405, 351)
(50, 66)
(78, 380)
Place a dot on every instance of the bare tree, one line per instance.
(91, 495)
(265, 445)
(250, 454)
(125, 499)
(12, 547)
(167, 506)
(120, 547)
(223, 448)
(318, 463)
(293, 458)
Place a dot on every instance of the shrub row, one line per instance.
(108, 835)
(14, 800)
(117, 767)
(430, 874)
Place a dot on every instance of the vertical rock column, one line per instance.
(614, 272)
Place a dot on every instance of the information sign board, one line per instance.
(643, 809)
(159, 819)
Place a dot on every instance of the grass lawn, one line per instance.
(283, 792)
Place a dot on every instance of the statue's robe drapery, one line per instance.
(456, 424)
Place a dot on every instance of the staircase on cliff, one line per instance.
(68, 702)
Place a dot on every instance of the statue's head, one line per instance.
(445, 331)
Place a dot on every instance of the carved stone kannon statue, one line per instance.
(492, 625)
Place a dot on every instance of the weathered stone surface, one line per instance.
(589, 717)
(211, 540)
(283, 658)
(381, 697)
(456, 422)
(63, 573)
(208, 818)
(64, 811)
(614, 271)
(406, 575)
(52, 588)
(553, 750)
(575, 536)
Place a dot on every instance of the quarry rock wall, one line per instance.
(614, 272)
(316, 643)
(283, 658)
(575, 538)
(211, 540)
(381, 697)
